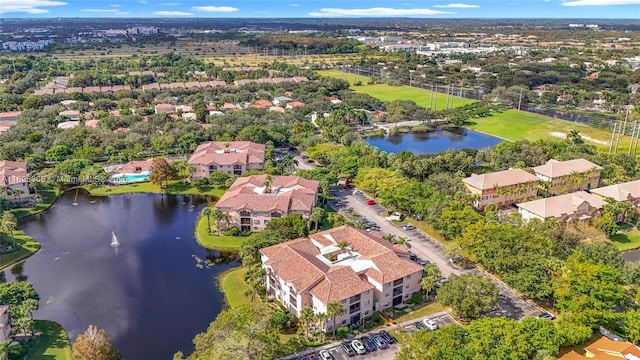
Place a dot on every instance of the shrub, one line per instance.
(342, 332)
(232, 232)
(416, 298)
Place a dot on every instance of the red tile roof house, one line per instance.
(164, 108)
(137, 166)
(10, 115)
(569, 176)
(629, 191)
(502, 188)
(293, 104)
(13, 174)
(605, 349)
(251, 204)
(370, 274)
(233, 158)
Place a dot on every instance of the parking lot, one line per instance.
(441, 320)
(387, 354)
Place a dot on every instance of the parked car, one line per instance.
(422, 262)
(325, 355)
(413, 257)
(388, 337)
(371, 202)
(358, 346)
(441, 282)
(408, 227)
(368, 344)
(348, 349)
(430, 324)
(379, 341)
(546, 315)
(419, 325)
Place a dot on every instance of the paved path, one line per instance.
(510, 304)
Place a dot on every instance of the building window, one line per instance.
(406, 287)
(397, 282)
(354, 299)
(344, 322)
(266, 222)
(275, 214)
(245, 213)
(213, 167)
(366, 313)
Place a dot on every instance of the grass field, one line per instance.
(27, 246)
(628, 240)
(520, 125)
(426, 310)
(386, 92)
(175, 187)
(213, 241)
(234, 287)
(52, 344)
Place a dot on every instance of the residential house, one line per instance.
(164, 108)
(605, 349)
(10, 115)
(568, 176)
(355, 268)
(281, 100)
(5, 327)
(253, 201)
(277, 109)
(577, 206)
(334, 100)
(233, 158)
(137, 166)
(73, 115)
(502, 188)
(14, 179)
(228, 106)
(629, 191)
(294, 104)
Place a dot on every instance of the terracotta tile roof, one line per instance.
(572, 355)
(288, 193)
(303, 263)
(164, 107)
(554, 168)
(556, 206)
(603, 346)
(500, 178)
(240, 152)
(9, 114)
(228, 106)
(340, 283)
(12, 172)
(620, 192)
(295, 104)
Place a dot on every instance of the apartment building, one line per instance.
(569, 176)
(232, 158)
(502, 188)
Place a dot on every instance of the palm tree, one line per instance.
(288, 163)
(321, 322)
(208, 212)
(218, 215)
(306, 317)
(317, 214)
(334, 310)
(268, 180)
(4, 349)
(342, 244)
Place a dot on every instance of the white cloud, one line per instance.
(28, 6)
(115, 5)
(169, 4)
(600, 2)
(377, 11)
(295, 5)
(172, 13)
(223, 9)
(106, 11)
(457, 6)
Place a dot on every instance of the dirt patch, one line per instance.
(587, 138)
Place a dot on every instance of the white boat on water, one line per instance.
(114, 240)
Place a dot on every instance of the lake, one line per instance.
(435, 141)
(148, 294)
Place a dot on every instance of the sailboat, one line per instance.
(114, 240)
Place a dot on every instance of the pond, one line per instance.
(151, 294)
(435, 141)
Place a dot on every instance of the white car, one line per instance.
(430, 324)
(325, 355)
(358, 346)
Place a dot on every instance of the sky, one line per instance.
(612, 9)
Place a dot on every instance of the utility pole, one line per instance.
(305, 53)
(520, 100)
(635, 133)
(613, 136)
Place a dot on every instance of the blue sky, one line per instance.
(323, 8)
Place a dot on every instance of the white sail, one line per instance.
(114, 240)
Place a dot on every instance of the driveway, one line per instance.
(510, 304)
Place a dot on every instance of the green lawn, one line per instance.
(520, 125)
(52, 344)
(27, 246)
(627, 240)
(175, 187)
(49, 196)
(426, 310)
(212, 241)
(386, 92)
(235, 288)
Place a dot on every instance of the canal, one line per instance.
(151, 294)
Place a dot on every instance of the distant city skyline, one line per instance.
(586, 9)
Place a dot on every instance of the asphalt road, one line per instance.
(510, 304)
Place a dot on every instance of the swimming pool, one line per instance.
(130, 178)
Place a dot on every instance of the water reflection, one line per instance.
(147, 293)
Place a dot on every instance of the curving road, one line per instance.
(510, 303)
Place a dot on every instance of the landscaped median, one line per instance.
(212, 240)
(25, 247)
